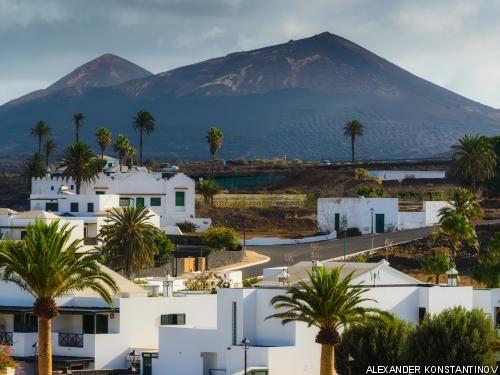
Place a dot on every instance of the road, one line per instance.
(328, 249)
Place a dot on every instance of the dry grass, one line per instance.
(258, 200)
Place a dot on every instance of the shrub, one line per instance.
(311, 200)
(379, 342)
(165, 246)
(187, 227)
(6, 360)
(453, 337)
(208, 189)
(248, 283)
(370, 191)
(221, 238)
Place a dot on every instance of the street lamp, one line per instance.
(343, 223)
(34, 348)
(246, 346)
(371, 212)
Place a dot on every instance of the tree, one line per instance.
(46, 265)
(34, 168)
(327, 302)
(78, 120)
(81, 164)
(208, 189)
(221, 238)
(463, 202)
(164, 245)
(131, 151)
(40, 131)
(214, 139)
(453, 337)
(49, 148)
(353, 129)
(143, 122)
(379, 342)
(104, 139)
(121, 147)
(487, 271)
(458, 229)
(129, 239)
(474, 159)
(436, 265)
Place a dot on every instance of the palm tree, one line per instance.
(131, 151)
(40, 130)
(329, 303)
(208, 189)
(463, 202)
(49, 148)
(104, 139)
(129, 239)
(214, 139)
(78, 120)
(457, 228)
(121, 146)
(81, 164)
(46, 265)
(474, 159)
(143, 122)
(353, 129)
(436, 265)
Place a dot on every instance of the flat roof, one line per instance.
(62, 309)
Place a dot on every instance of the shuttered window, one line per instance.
(155, 201)
(180, 198)
(139, 202)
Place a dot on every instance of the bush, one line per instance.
(208, 189)
(370, 191)
(221, 238)
(6, 360)
(453, 337)
(165, 247)
(187, 227)
(379, 342)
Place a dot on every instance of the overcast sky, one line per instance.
(454, 43)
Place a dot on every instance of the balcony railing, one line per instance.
(6, 338)
(71, 340)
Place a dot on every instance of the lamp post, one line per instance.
(371, 224)
(344, 227)
(34, 348)
(246, 346)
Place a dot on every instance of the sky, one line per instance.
(453, 43)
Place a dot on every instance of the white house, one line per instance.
(373, 215)
(88, 334)
(171, 197)
(388, 175)
(290, 349)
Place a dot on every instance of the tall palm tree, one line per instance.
(457, 228)
(81, 164)
(49, 148)
(121, 147)
(463, 202)
(329, 303)
(129, 239)
(214, 139)
(40, 130)
(47, 266)
(474, 159)
(143, 122)
(131, 151)
(353, 129)
(104, 139)
(78, 120)
(436, 265)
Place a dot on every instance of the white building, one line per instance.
(374, 215)
(88, 334)
(291, 349)
(402, 175)
(171, 197)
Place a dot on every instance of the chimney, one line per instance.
(168, 286)
(452, 274)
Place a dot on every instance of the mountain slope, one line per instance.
(290, 99)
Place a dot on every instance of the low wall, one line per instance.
(401, 175)
(223, 258)
(269, 241)
(411, 220)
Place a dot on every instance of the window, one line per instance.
(235, 324)
(124, 202)
(155, 201)
(421, 314)
(52, 188)
(139, 202)
(100, 192)
(180, 198)
(95, 323)
(73, 207)
(72, 187)
(90, 207)
(173, 319)
(25, 322)
(23, 234)
(110, 165)
(51, 206)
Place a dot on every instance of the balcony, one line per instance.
(7, 338)
(71, 340)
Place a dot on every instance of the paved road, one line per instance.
(328, 249)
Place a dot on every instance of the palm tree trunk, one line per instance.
(140, 156)
(327, 360)
(353, 149)
(44, 346)
(78, 183)
(39, 144)
(102, 154)
(47, 159)
(213, 162)
(437, 278)
(77, 133)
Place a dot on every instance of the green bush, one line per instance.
(370, 191)
(165, 247)
(221, 238)
(208, 189)
(453, 337)
(187, 227)
(379, 342)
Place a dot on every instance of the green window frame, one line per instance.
(100, 192)
(139, 202)
(155, 201)
(180, 198)
(173, 319)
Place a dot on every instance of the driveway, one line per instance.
(328, 249)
